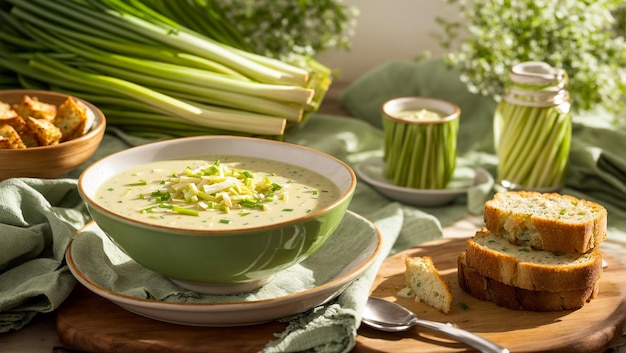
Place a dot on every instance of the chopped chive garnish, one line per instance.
(161, 196)
(249, 203)
(147, 209)
(185, 211)
(139, 183)
(287, 209)
(225, 221)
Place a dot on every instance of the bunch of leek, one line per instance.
(533, 128)
(150, 74)
(420, 156)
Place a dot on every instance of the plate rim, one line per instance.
(333, 286)
(361, 171)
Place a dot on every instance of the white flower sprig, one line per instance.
(280, 28)
(576, 35)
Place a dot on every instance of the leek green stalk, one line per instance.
(420, 155)
(532, 128)
(532, 145)
(146, 69)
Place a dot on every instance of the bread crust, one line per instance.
(564, 233)
(488, 289)
(525, 268)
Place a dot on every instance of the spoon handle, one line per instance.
(482, 344)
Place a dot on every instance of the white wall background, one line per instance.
(389, 30)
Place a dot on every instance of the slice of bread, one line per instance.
(521, 266)
(547, 221)
(487, 289)
(423, 280)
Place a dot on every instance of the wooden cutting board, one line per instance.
(592, 328)
(89, 323)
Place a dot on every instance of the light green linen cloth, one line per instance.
(37, 220)
(46, 212)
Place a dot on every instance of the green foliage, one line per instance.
(580, 36)
(279, 28)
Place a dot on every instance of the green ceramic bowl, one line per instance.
(211, 261)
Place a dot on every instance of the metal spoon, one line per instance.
(387, 316)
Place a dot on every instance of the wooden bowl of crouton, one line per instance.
(45, 134)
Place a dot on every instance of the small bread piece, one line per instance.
(547, 221)
(423, 279)
(487, 289)
(5, 144)
(8, 116)
(71, 119)
(6, 110)
(47, 133)
(16, 122)
(32, 107)
(10, 138)
(523, 267)
(29, 138)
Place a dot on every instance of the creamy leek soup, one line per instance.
(216, 192)
(418, 115)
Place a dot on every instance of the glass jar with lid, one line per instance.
(533, 128)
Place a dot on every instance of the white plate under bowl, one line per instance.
(372, 171)
(355, 233)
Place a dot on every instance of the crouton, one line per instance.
(32, 107)
(71, 119)
(29, 138)
(5, 144)
(10, 138)
(47, 133)
(6, 111)
(31, 123)
(15, 121)
(8, 116)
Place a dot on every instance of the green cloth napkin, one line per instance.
(37, 220)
